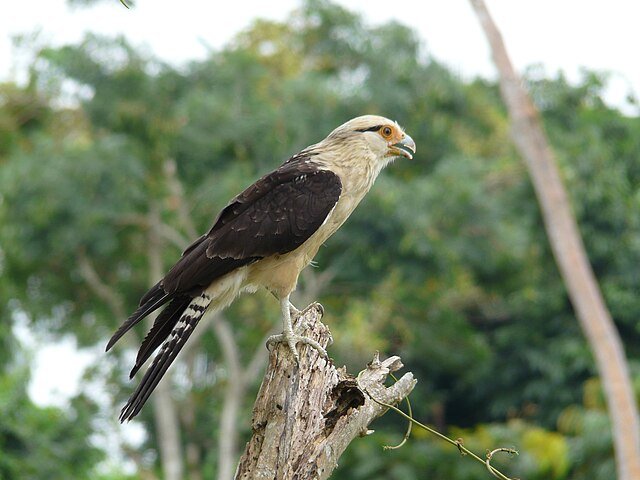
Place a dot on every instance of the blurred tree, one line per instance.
(43, 443)
(39, 442)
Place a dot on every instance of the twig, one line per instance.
(408, 432)
(104, 291)
(164, 230)
(457, 443)
(490, 456)
(124, 3)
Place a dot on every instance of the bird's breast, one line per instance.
(279, 273)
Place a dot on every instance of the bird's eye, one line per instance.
(386, 132)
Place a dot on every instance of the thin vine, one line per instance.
(457, 443)
(410, 424)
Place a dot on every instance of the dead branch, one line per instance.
(305, 416)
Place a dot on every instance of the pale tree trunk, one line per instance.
(192, 447)
(305, 416)
(568, 249)
(235, 390)
(164, 410)
(240, 379)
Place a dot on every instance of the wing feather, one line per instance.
(275, 215)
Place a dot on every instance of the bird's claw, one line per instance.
(292, 339)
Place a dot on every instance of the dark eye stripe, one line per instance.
(370, 129)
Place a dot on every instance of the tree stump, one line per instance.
(305, 416)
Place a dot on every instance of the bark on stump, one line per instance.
(305, 416)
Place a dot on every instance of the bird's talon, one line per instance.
(292, 347)
(292, 340)
(272, 340)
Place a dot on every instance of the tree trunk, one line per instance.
(164, 410)
(234, 393)
(305, 416)
(568, 249)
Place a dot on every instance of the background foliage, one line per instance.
(445, 263)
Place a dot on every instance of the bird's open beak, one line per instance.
(405, 147)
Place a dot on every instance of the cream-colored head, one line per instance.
(384, 138)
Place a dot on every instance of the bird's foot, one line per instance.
(291, 339)
(293, 311)
(317, 306)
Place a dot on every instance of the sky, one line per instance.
(557, 34)
(564, 35)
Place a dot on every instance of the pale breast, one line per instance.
(279, 273)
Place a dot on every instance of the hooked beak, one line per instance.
(405, 147)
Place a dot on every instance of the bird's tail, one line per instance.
(176, 323)
(151, 301)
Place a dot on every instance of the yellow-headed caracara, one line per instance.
(264, 238)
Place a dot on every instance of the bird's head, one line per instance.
(383, 137)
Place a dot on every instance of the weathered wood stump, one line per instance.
(305, 416)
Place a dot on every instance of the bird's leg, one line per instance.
(287, 334)
(293, 311)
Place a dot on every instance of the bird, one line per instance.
(264, 238)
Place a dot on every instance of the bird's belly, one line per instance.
(279, 273)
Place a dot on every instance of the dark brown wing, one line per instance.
(275, 215)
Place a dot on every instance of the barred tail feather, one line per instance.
(167, 354)
(162, 327)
